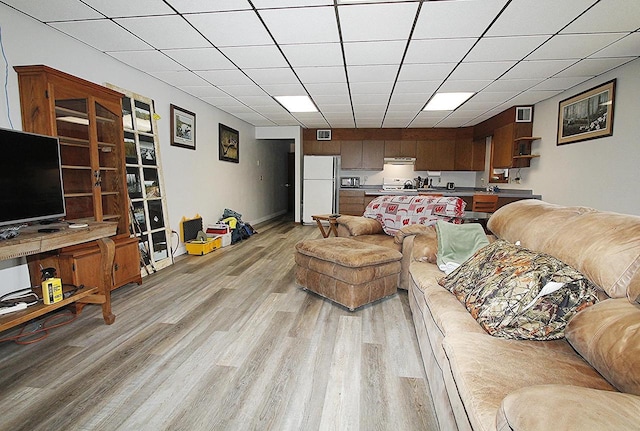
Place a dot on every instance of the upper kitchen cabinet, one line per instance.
(400, 148)
(470, 153)
(436, 155)
(362, 155)
(321, 148)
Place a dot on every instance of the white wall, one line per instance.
(601, 173)
(196, 181)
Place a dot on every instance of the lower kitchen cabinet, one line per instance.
(353, 202)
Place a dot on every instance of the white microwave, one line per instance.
(353, 182)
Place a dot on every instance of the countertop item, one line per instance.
(376, 190)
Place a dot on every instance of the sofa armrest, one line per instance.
(549, 407)
(357, 225)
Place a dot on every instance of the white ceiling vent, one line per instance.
(524, 114)
(323, 135)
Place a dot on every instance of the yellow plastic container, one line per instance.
(200, 248)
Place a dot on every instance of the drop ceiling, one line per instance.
(369, 64)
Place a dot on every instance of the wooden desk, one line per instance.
(31, 242)
(333, 224)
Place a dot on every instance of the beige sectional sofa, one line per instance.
(587, 380)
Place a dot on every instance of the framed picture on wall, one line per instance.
(183, 128)
(229, 143)
(588, 115)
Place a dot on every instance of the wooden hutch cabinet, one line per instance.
(87, 119)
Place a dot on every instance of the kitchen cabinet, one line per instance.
(470, 155)
(399, 148)
(353, 202)
(321, 148)
(362, 155)
(435, 155)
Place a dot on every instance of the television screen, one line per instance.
(30, 178)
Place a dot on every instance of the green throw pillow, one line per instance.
(458, 242)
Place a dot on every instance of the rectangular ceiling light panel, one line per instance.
(447, 101)
(297, 103)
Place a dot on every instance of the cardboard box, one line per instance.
(203, 247)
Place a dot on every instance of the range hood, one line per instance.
(400, 160)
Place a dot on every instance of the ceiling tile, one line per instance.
(200, 58)
(372, 53)
(104, 35)
(147, 61)
(379, 100)
(265, 4)
(481, 70)
(285, 89)
(422, 72)
(180, 78)
(191, 6)
(122, 8)
(333, 99)
(222, 28)
(540, 16)
(537, 69)
(255, 57)
(321, 54)
(465, 86)
(242, 90)
(573, 46)
(560, 84)
(371, 87)
(327, 88)
(471, 18)
(321, 74)
(628, 46)
(59, 10)
(416, 89)
(302, 25)
(273, 76)
(593, 66)
(505, 48)
(438, 50)
(164, 32)
(513, 84)
(530, 97)
(203, 91)
(608, 16)
(376, 21)
(225, 77)
(372, 73)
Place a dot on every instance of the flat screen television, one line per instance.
(30, 178)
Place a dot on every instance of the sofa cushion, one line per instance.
(607, 335)
(516, 293)
(413, 229)
(585, 409)
(357, 225)
(604, 246)
(486, 369)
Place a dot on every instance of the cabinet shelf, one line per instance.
(76, 167)
(78, 195)
(527, 156)
(527, 138)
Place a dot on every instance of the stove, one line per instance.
(396, 183)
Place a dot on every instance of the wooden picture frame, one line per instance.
(588, 115)
(183, 128)
(229, 144)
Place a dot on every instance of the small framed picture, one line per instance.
(183, 128)
(228, 148)
(588, 115)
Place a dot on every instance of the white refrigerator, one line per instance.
(320, 186)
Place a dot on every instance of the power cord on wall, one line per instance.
(6, 79)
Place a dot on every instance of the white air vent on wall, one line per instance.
(523, 114)
(323, 135)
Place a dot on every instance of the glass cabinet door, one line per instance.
(144, 181)
(72, 129)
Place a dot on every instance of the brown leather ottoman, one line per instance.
(348, 272)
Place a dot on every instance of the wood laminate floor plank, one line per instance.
(224, 341)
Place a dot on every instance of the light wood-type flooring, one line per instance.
(224, 341)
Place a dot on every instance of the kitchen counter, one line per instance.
(458, 191)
